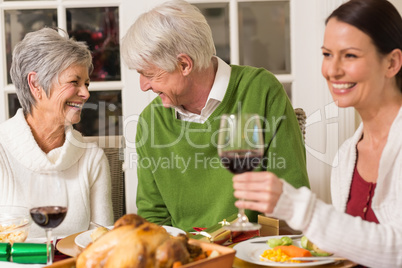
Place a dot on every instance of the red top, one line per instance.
(360, 196)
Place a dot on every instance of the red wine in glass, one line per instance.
(241, 147)
(49, 216)
(48, 205)
(239, 161)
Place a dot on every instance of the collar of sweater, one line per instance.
(17, 139)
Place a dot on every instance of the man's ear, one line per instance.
(36, 90)
(185, 64)
(395, 62)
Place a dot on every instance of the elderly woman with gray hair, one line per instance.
(51, 77)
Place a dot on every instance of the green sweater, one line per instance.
(179, 170)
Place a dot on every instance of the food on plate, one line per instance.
(98, 232)
(294, 251)
(315, 251)
(97, 251)
(12, 233)
(283, 241)
(129, 219)
(171, 251)
(305, 243)
(319, 252)
(285, 254)
(136, 242)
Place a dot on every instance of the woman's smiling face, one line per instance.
(67, 95)
(352, 66)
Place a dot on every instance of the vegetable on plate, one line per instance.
(310, 246)
(283, 241)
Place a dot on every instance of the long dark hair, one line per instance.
(379, 19)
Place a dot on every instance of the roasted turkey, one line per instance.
(135, 242)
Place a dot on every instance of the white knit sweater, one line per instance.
(367, 243)
(83, 166)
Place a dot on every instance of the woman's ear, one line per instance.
(185, 64)
(394, 63)
(36, 90)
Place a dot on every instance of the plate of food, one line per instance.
(254, 250)
(82, 240)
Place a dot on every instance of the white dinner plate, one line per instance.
(250, 252)
(82, 240)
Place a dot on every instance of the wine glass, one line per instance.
(241, 147)
(49, 203)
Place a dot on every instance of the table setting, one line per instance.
(245, 247)
(16, 249)
(232, 242)
(237, 249)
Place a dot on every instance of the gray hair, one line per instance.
(157, 37)
(47, 53)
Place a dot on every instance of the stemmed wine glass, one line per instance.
(241, 147)
(49, 203)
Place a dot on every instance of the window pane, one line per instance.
(20, 22)
(217, 16)
(99, 28)
(101, 115)
(13, 104)
(264, 35)
(288, 89)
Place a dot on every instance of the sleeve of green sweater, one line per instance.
(259, 91)
(285, 155)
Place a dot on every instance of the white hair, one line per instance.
(48, 54)
(157, 37)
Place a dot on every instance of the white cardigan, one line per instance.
(367, 243)
(83, 166)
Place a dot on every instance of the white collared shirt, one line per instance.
(215, 96)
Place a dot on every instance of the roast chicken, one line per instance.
(135, 242)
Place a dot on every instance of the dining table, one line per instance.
(67, 251)
(70, 249)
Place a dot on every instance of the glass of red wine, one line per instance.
(49, 203)
(241, 147)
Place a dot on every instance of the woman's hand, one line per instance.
(260, 191)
